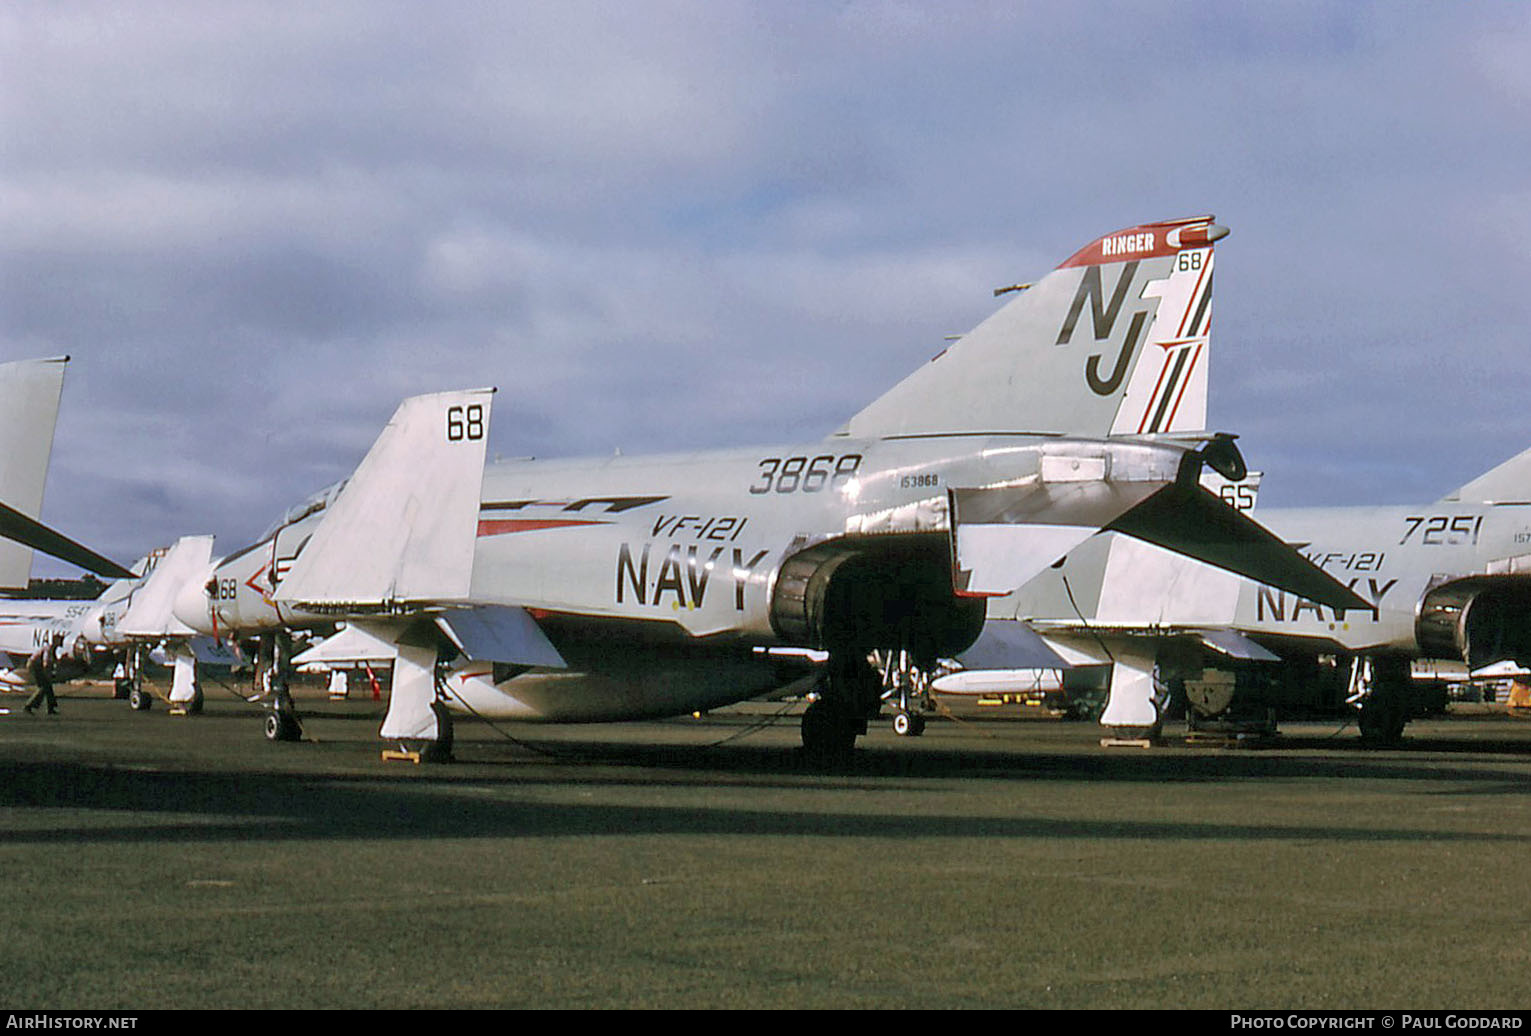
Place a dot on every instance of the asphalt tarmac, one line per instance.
(152, 861)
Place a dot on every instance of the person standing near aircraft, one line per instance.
(40, 668)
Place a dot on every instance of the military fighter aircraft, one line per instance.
(623, 588)
(1450, 580)
(1447, 581)
(89, 633)
(130, 618)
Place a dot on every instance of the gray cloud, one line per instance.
(672, 225)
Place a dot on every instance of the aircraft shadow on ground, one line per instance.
(202, 806)
(1291, 758)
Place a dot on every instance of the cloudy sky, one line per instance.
(256, 226)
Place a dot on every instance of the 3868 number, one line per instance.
(791, 474)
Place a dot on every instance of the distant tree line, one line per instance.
(86, 588)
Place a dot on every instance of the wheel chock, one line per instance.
(1128, 742)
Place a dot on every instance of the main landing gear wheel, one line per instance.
(1382, 722)
(829, 734)
(908, 724)
(283, 726)
(140, 700)
(439, 750)
(1381, 687)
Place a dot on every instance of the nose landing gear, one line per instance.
(906, 690)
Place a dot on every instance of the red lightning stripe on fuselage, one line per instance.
(503, 526)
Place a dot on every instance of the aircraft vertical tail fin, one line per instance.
(151, 608)
(404, 527)
(1112, 342)
(29, 398)
(1508, 483)
(1147, 585)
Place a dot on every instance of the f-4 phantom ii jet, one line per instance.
(622, 588)
(128, 618)
(1448, 581)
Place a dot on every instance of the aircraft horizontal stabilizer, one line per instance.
(995, 559)
(32, 533)
(499, 634)
(1191, 521)
(404, 527)
(151, 609)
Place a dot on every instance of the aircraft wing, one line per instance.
(483, 633)
(1095, 640)
(29, 532)
(1007, 644)
(398, 544)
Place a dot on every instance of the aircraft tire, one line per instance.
(140, 700)
(282, 726)
(1385, 712)
(908, 724)
(435, 752)
(829, 736)
(1382, 724)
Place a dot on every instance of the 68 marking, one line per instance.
(465, 422)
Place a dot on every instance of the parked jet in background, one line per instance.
(623, 588)
(1447, 581)
(1450, 580)
(130, 618)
